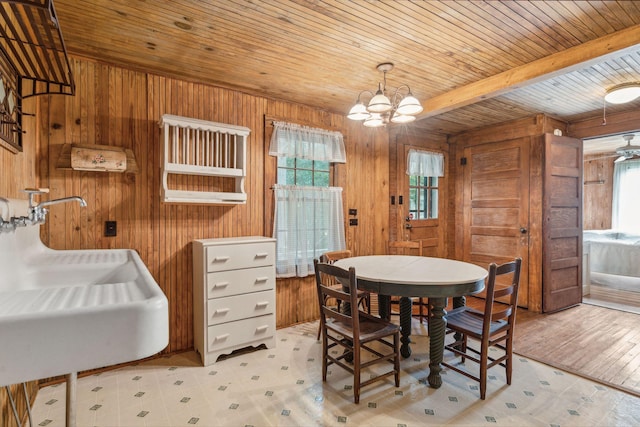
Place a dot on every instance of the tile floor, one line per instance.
(283, 387)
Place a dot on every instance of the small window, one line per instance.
(423, 197)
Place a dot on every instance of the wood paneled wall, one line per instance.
(115, 106)
(598, 191)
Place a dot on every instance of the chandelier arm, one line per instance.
(364, 91)
(395, 101)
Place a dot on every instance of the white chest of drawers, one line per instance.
(234, 297)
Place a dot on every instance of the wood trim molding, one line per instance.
(627, 121)
(532, 125)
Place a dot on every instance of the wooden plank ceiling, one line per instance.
(471, 63)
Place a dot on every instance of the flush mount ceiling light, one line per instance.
(382, 109)
(623, 93)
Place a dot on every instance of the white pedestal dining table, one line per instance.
(417, 276)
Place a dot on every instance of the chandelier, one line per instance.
(382, 109)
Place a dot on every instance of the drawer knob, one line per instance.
(262, 255)
(222, 337)
(262, 304)
(220, 311)
(262, 328)
(220, 285)
(261, 279)
(221, 259)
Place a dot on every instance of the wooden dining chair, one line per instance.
(364, 297)
(366, 340)
(493, 327)
(410, 247)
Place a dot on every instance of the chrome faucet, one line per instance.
(38, 213)
(64, 200)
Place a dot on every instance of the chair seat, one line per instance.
(469, 321)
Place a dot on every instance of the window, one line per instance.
(423, 169)
(308, 219)
(423, 197)
(626, 203)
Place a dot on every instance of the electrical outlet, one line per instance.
(353, 221)
(110, 228)
(353, 211)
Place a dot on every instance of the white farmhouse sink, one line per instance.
(67, 311)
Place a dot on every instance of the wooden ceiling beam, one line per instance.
(568, 60)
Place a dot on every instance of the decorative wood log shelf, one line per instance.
(215, 152)
(98, 158)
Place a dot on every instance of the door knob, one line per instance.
(523, 230)
(407, 225)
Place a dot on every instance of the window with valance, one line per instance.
(424, 168)
(308, 219)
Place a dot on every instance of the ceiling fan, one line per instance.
(627, 151)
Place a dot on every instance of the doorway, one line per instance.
(615, 291)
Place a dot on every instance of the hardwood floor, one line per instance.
(598, 343)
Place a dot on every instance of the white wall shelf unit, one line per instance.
(203, 148)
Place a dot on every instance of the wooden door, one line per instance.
(430, 232)
(496, 206)
(562, 223)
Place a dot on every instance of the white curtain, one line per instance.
(425, 163)
(308, 222)
(302, 142)
(626, 203)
